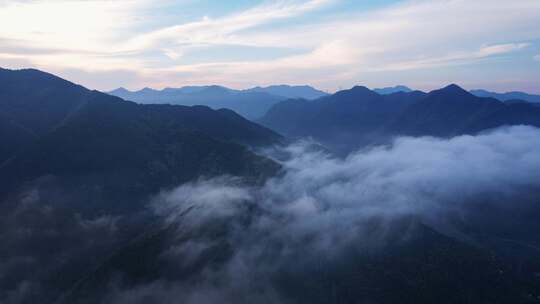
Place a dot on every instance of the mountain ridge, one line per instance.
(92, 130)
(394, 89)
(365, 117)
(507, 96)
(251, 103)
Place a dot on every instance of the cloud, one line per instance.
(459, 58)
(222, 240)
(325, 210)
(501, 49)
(70, 27)
(209, 31)
(336, 50)
(319, 194)
(408, 36)
(537, 57)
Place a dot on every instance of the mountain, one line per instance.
(33, 103)
(359, 116)
(248, 104)
(350, 116)
(286, 91)
(79, 168)
(508, 96)
(391, 90)
(357, 108)
(109, 201)
(404, 271)
(252, 103)
(445, 112)
(13, 136)
(84, 138)
(38, 101)
(453, 111)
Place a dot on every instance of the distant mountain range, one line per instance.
(391, 90)
(359, 116)
(509, 96)
(251, 103)
(255, 102)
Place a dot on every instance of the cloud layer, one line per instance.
(320, 195)
(331, 209)
(328, 43)
(221, 240)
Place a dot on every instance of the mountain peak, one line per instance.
(360, 90)
(147, 89)
(356, 92)
(454, 87)
(120, 90)
(451, 90)
(360, 87)
(216, 89)
(290, 91)
(391, 90)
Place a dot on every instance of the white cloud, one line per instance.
(96, 30)
(209, 31)
(75, 25)
(323, 213)
(325, 204)
(500, 49)
(537, 57)
(410, 36)
(463, 57)
(330, 51)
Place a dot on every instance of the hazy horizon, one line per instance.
(293, 85)
(327, 44)
(137, 89)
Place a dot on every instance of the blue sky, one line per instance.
(329, 44)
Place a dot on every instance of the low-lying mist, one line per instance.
(324, 210)
(324, 221)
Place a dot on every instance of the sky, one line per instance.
(329, 44)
